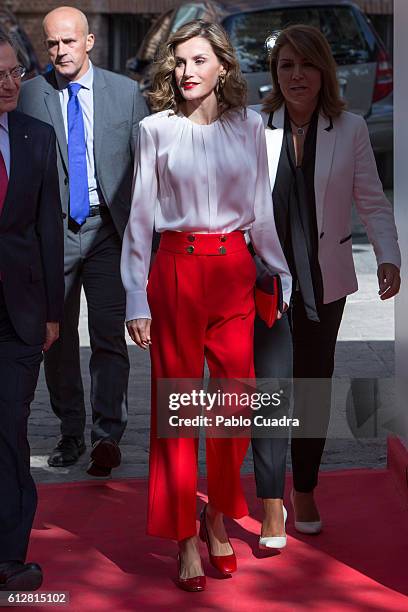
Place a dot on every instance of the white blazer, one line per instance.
(345, 170)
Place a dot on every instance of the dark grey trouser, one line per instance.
(313, 358)
(19, 368)
(92, 261)
(314, 346)
(273, 359)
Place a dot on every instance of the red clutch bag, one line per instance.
(268, 293)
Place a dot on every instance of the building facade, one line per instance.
(112, 21)
(120, 25)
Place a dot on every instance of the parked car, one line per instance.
(364, 67)
(25, 51)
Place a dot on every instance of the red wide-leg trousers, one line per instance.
(200, 293)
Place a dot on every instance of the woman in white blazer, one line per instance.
(320, 160)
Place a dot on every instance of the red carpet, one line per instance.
(89, 538)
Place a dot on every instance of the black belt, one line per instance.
(99, 209)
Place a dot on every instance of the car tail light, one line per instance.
(384, 78)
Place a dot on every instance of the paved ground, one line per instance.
(365, 349)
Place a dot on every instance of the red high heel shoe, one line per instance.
(226, 564)
(195, 584)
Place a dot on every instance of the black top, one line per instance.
(295, 214)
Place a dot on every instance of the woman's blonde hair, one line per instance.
(231, 91)
(313, 47)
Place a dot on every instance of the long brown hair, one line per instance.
(165, 94)
(312, 46)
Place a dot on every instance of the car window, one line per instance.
(249, 32)
(187, 13)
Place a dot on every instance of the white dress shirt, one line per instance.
(85, 97)
(5, 141)
(198, 178)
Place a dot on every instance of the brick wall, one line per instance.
(98, 24)
(30, 14)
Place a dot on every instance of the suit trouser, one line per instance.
(19, 368)
(92, 261)
(313, 357)
(202, 308)
(273, 359)
(314, 345)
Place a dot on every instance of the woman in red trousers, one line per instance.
(201, 179)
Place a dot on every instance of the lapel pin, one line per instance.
(25, 136)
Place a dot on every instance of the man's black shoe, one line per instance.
(67, 452)
(17, 576)
(97, 471)
(105, 455)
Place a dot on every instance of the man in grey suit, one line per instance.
(95, 115)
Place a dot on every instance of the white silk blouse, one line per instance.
(198, 178)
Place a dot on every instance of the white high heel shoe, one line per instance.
(268, 542)
(307, 527)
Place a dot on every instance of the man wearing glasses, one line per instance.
(31, 306)
(95, 114)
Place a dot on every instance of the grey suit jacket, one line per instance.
(118, 108)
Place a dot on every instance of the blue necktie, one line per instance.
(78, 176)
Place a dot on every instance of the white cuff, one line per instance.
(137, 306)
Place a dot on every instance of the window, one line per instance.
(249, 32)
(187, 13)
